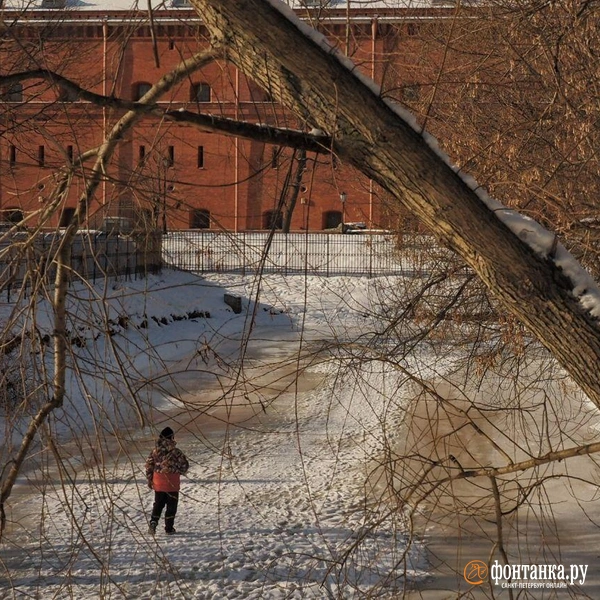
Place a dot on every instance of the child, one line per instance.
(164, 467)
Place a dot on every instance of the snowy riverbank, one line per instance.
(274, 505)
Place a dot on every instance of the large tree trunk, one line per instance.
(368, 134)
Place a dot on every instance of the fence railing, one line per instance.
(96, 256)
(93, 256)
(316, 253)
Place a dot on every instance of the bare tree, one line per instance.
(376, 140)
(487, 318)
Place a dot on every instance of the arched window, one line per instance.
(199, 219)
(331, 219)
(200, 92)
(66, 217)
(272, 219)
(66, 95)
(13, 215)
(141, 89)
(14, 93)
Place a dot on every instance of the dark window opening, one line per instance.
(70, 153)
(170, 156)
(67, 95)
(141, 155)
(332, 219)
(13, 215)
(200, 157)
(141, 89)
(41, 156)
(12, 158)
(14, 93)
(201, 92)
(66, 217)
(272, 219)
(200, 219)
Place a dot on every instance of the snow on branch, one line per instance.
(314, 141)
(542, 241)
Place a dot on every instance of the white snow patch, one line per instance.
(271, 509)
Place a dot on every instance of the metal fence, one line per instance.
(96, 256)
(316, 253)
(93, 256)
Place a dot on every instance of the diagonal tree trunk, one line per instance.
(308, 79)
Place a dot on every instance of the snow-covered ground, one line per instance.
(286, 432)
(274, 505)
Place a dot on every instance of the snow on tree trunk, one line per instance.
(309, 79)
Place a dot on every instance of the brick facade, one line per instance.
(167, 175)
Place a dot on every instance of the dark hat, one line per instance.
(167, 433)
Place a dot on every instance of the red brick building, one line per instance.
(164, 174)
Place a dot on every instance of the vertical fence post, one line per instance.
(285, 251)
(244, 252)
(208, 242)
(94, 257)
(199, 245)
(117, 266)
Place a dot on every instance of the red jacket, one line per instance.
(165, 465)
(166, 482)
